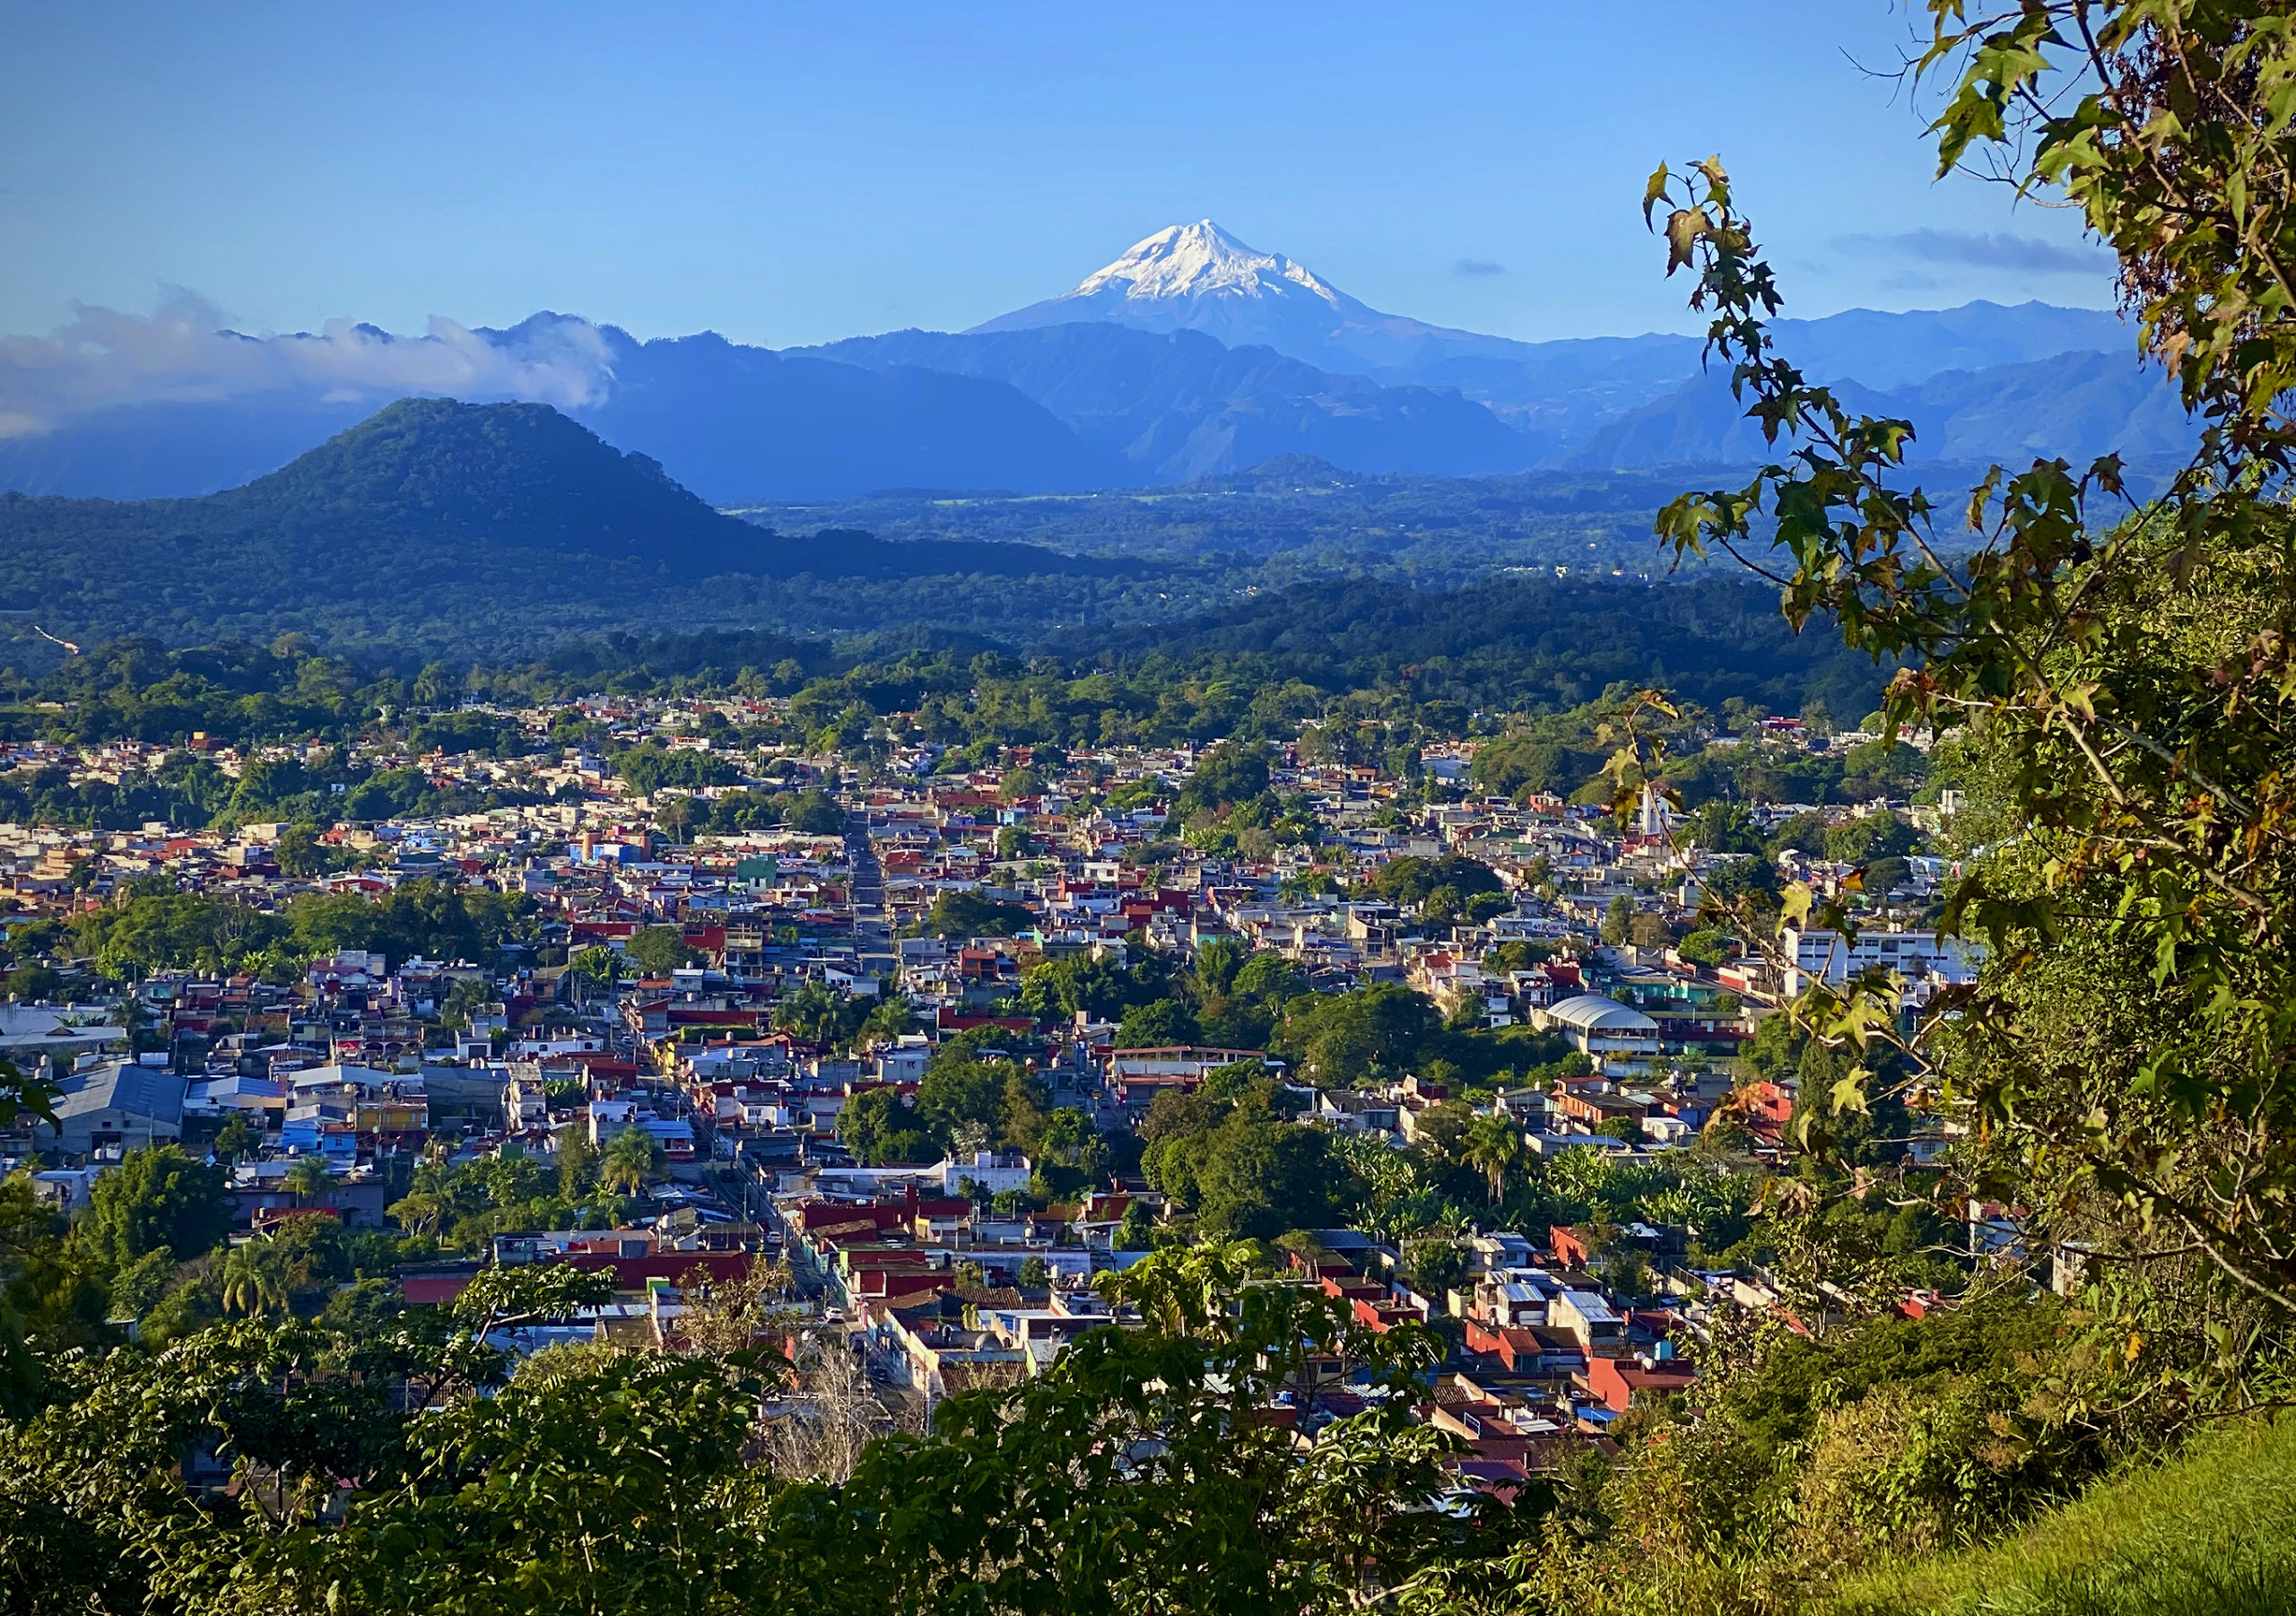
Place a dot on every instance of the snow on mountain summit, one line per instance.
(1199, 278)
(1203, 260)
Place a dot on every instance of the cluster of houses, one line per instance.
(945, 1275)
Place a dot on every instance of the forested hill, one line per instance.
(1430, 660)
(1516, 642)
(504, 534)
(1309, 512)
(516, 473)
(432, 521)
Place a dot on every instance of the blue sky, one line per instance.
(788, 173)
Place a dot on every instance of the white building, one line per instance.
(1603, 1029)
(905, 1060)
(31, 1033)
(993, 1170)
(1924, 960)
(1652, 814)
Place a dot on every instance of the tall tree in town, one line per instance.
(632, 1160)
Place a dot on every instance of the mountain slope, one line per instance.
(734, 423)
(1178, 405)
(432, 517)
(1197, 277)
(2077, 405)
(1894, 350)
(2211, 1529)
(741, 423)
(1564, 391)
(434, 469)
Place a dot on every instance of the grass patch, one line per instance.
(2213, 1530)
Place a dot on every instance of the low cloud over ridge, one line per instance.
(182, 354)
(1982, 249)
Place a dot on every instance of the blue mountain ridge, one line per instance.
(1078, 405)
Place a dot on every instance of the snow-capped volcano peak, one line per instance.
(1201, 260)
(1197, 277)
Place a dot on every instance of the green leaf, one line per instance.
(1793, 902)
(1653, 193)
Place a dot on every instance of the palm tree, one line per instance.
(254, 1280)
(421, 1213)
(592, 967)
(1492, 1143)
(632, 1156)
(1217, 961)
(307, 1178)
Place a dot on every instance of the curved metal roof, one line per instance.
(1594, 1013)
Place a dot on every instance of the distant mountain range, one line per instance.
(2077, 405)
(1175, 405)
(1191, 355)
(1197, 277)
(730, 420)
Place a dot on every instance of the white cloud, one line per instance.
(1980, 249)
(181, 352)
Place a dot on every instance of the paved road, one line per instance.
(872, 938)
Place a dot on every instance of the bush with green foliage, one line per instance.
(157, 1199)
(957, 914)
(1103, 986)
(1226, 1153)
(1159, 1024)
(1877, 835)
(656, 950)
(1132, 1465)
